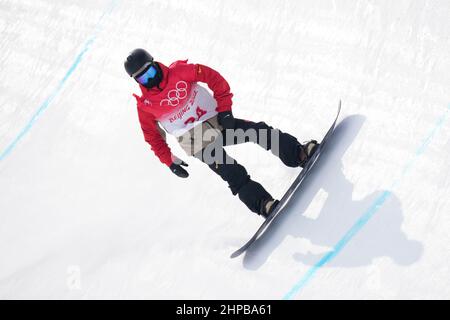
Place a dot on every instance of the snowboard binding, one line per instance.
(268, 207)
(306, 151)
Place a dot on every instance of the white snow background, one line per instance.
(87, 211)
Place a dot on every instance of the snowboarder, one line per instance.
(172, 101)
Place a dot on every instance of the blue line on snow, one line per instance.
(60, 85)
(367, 215)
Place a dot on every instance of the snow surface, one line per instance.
(87, 211)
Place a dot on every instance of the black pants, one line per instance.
(250, 192)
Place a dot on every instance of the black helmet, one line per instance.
(137, 61)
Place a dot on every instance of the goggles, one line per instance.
(150, 73)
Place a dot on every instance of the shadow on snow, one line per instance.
(381, 236)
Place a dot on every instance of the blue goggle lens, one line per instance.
(149, 74)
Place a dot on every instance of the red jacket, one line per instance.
(175, 105)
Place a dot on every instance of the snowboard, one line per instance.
(294, 186)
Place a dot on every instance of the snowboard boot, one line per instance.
(267, 207)
(306, 152)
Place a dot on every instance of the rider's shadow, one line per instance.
(382, 235)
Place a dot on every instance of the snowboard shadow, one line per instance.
(382, 236)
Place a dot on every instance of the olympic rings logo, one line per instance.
(175, 95)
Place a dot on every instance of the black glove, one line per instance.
(178, 170)
(226, 119)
